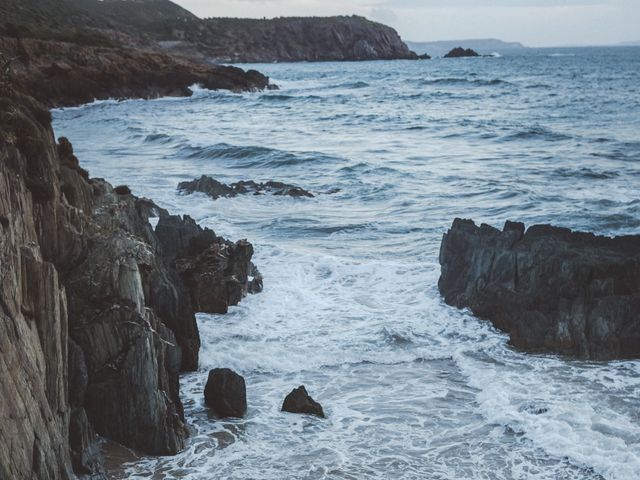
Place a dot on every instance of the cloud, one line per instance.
(383, 15)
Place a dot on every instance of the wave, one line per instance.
(161, 138)
(585, 172)
(251, 156)
(536, 133)
(464, 81)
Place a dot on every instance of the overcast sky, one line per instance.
(533, 22)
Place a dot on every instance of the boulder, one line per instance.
(552, 289)
(299, 401)
(226, 393)
(459, 52)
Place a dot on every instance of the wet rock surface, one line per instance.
(216, 189)
(218, 273)
(552, 289)
(96, 321)
(226, 393)
(299, 401)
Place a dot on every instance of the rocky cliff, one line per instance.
(65, 74)
(551, 289)
(297, 39)
(161, 24)
(96, 318)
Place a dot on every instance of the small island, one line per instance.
(460, 52)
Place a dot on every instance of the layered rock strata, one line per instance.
(96, 322)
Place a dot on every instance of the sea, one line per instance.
(412, 388)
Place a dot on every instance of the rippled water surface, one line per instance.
(413, 389)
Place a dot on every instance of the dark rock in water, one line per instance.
(226, 393)
(216, 189)
(461, 52)
(299, 401)
(424, 56)
(551, 289)
(210, 186)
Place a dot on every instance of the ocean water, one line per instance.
(413, 389)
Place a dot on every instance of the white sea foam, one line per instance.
(413, 388)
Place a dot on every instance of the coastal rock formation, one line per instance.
(461, 52)
(64, 74)
(218, 273)
(226, 393)
(299, 401)
(301, 39)
(95, 321)
(163, 25)
(216, 189)
(551, 289)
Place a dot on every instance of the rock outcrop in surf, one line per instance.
(96, 319)
(552, 289)
(299, 401)
(215, 189)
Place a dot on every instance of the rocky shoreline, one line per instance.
(97, 308)
(553, 290)
(61, 74)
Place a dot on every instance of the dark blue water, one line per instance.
(413, 388)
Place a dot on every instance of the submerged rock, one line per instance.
(461, 52)
(216, 189)
(551, 289)
(299, 401)
(226, 393)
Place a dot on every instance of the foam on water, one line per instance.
(413, 389)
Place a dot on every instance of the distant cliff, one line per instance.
(96, 307)
(296, 39)
(163, 25)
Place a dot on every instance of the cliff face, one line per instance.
(95, 321)
(551, 289)
(162, 24)
(298, 39)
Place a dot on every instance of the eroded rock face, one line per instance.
(551, 289)
(218, 273)
(299, 401)
(95, 321)
(226, 393)
(216, 189)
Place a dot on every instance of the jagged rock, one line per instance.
(551, 289)
(216, 189)
(95, 321)
(459, 52)
(299, 401)
(226, 393)
(217, 273)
